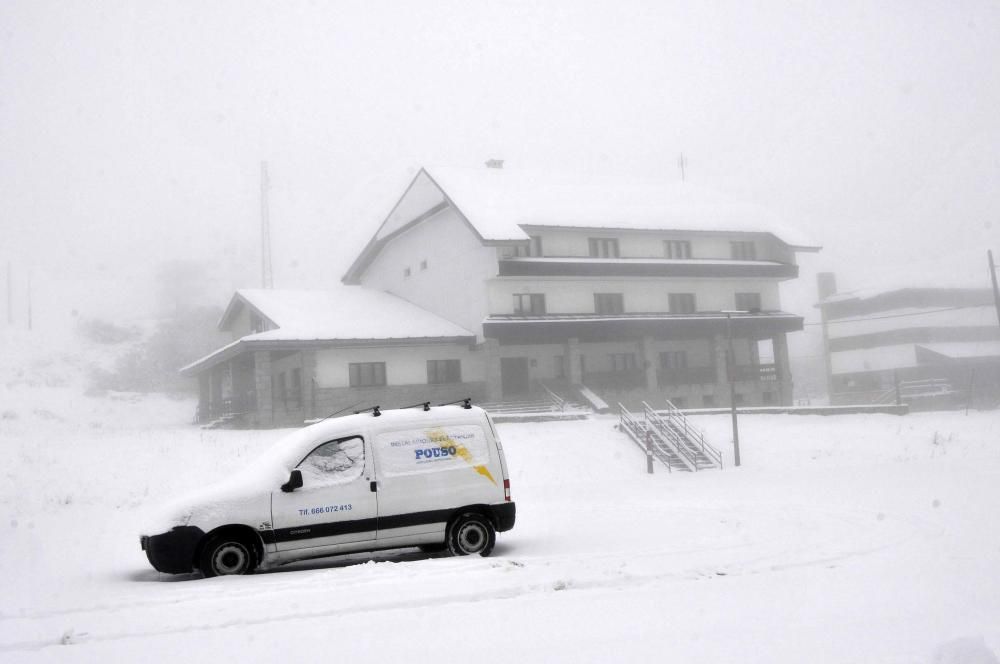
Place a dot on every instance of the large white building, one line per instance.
(492, 284)
(941, 344)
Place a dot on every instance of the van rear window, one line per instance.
(432, 449)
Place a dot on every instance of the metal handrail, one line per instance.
(689, 434)
(679, 448)
(556, 400)
(629, 422)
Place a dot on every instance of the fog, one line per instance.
(132, 133)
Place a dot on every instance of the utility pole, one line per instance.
(993, 277)
(266, 273)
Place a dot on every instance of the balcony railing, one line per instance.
(758, 372)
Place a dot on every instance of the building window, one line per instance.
(708, 401)
(444, 371)
(609, 303)
(743, 250)
(679, 402)
(768, 398)
(560, 366)
(529, 303)
(602, 247)
(294, 389)
(256, 322)
(673, 359)
(748, 301)
(423, 264)
(682, 303)
(622, 362)
(533, 248)
(677, 249)
(367, 374)
(406, 272)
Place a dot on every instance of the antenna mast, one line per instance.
(266, 273)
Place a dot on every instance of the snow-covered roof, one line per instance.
(912, 317)
(956, 284)
(344, 312)
(965, 349)
(501, 205)
(499, 202)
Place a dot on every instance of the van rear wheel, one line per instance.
(470, 534)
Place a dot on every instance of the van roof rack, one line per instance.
(466, 403)
(426, 405)
(376, 411)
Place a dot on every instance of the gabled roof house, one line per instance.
(496, 284)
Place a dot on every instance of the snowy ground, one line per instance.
(865, 538)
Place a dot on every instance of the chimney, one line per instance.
(494, 163)
(826, 284)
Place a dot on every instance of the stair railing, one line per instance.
(691, 434)
(694, 434)
(645, 437)
(657, 423)
(558, 403)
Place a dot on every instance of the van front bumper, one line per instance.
(504, 515)
(173, 552)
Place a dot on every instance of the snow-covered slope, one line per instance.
(840, 539)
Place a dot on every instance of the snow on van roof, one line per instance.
(344, 312)
(499, 202)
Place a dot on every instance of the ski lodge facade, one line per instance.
(504, 286)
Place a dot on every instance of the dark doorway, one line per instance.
(514, 375)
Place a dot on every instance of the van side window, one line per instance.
(335, 462)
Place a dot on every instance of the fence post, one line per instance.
(649, 453)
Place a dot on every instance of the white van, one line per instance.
(429, 477)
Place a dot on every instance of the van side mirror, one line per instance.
(294, 481)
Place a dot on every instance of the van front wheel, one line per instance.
(223, 556)
(471, 533)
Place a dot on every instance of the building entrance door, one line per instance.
(514, 375)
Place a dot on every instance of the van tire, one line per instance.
(471, 533)
(226, 554)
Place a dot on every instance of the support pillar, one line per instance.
(648, 358)
(494, 382)
(573, 354)
(782, 368)
(262, 385)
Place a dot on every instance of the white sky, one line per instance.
(131, 133)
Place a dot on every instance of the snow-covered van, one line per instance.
(435, 478)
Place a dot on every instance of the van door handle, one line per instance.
(373, 486)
